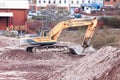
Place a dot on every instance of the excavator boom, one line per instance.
(56, 31)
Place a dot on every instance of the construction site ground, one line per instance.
(101, 64)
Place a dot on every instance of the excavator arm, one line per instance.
(55, 32)
(89, 33)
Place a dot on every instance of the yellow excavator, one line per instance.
(46, 41)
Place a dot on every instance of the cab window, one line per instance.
(46, 33)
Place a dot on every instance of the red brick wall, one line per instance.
(19, 16)
(111, 2)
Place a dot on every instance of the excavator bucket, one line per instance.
(77, 50)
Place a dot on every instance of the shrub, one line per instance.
(111, 22)
(42, 17)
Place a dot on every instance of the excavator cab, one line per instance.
(43, 33)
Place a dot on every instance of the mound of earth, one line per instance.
(101, 65)
(23, 55)
(17, 64)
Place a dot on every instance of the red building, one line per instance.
(10, 14)
(111, 2)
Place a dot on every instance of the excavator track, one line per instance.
(48, 48)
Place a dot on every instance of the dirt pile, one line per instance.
(7, 43)
(101, 65)
(16, 55)
(17, 64)
(23, 55)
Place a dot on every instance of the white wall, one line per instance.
(62, 4)
(14, 4)
(75, 4)
(67, 4)
(71, 6)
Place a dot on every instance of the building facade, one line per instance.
(63, 4)
(13, 12)
(90, 5)
(33, 5)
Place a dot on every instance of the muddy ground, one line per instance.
(17, 64)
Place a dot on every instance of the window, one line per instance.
(64, 1)
(88, 1)
(39, 1)
(49, 2)
(31, 1)
(77, 2)
(107, 0)
(54, 2)
(46, 33)
(60, 1)
(71, 2)
(44, 1)
(82, 1)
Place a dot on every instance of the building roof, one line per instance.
(14, 4)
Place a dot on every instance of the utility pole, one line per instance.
(69, 5)
(103, 2)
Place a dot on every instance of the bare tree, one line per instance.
(117, 5)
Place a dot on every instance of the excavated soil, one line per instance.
(17, 64)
